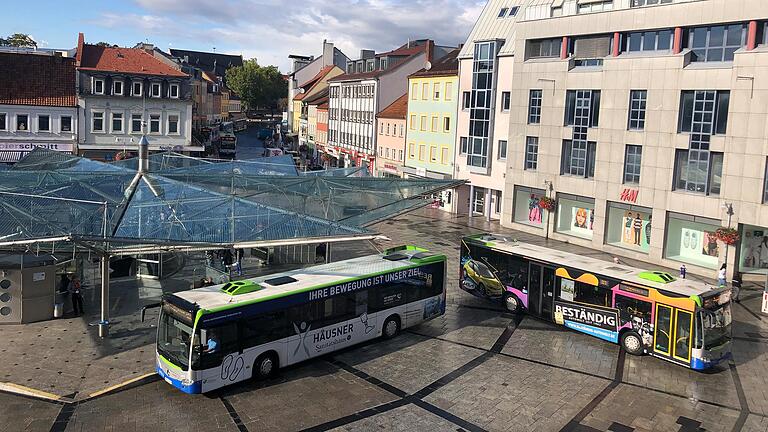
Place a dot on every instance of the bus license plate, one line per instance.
(168, 380)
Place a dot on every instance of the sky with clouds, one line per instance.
(268, 30)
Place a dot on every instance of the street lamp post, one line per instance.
(549, 187)
(729, 211)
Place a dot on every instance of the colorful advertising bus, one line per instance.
(679, 320)
(215, 336)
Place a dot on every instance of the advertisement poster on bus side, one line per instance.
(601, 323)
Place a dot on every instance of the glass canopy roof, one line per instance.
(184, 202)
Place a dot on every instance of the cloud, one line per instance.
(270, 30)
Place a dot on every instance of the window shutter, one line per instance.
(592, 47)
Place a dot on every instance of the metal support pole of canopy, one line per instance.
(104, 322)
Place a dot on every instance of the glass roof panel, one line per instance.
(185, 200)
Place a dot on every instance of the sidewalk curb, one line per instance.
(136, 381)
(28, 392)
(33, 393)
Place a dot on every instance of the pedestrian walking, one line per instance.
(721, 276)
(227, 259)
(64, 284)
(683, 271)
(239, 261)
(77, 298)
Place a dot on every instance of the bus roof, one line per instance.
(279, 285)
(683, 287)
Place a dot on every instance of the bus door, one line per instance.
(673, 333)
(541, 290)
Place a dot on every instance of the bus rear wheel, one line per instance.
(632, 343)
(265, 366)
(391, 327)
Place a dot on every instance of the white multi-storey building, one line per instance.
(371, 84)
(127, 92)
(485, 70)
(644, 120)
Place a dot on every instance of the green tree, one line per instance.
(257, 86)
(19, 40)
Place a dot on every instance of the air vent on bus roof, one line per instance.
(658, 277)
(395, 257)
(422, 255)
(240, 288)
(282, 280)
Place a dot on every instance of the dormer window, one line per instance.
(138, 88)
(174, 91)
(155, 90)
(117, 88)
(98, 86)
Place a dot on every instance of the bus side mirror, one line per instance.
(149, 306)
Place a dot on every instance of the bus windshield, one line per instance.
(717, 326)
(173, 340)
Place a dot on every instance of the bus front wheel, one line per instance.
(391, 327)
(265, 366)
(632, 343)
(512, 303)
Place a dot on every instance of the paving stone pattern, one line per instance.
(646, 410)
(311, 394)
(405, 418)
(409, 362)
(543, 378)
(505, 394)
(539, 341)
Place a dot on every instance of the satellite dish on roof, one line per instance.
(428, 65)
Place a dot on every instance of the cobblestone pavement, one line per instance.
(476, 368)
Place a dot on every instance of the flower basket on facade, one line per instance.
(728, 236)
(547, 203)
(122, 155)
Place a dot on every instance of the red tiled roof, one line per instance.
(33, 79)
(397, 110)
(126, 60)
(323, 106)
(403, 51)
(323, 72)
(299, 96)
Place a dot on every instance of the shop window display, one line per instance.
(528, 209)
(693, 241)
(576, 217)
(754, 249)
(629, 227)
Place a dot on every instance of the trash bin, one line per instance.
(58, 305)
(58, 310)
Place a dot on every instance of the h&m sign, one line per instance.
(629, 195)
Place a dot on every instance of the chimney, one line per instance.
(80, 43)
(328, 53)
(430, 47)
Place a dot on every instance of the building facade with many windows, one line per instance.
(371, 84)
(125, 93)
(391, 139)
(38, 104)
(646, 121)
(485, 70)
(433, 100)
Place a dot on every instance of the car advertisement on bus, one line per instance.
(601, 323)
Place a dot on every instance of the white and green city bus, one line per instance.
(211, 337)
(679, 320)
